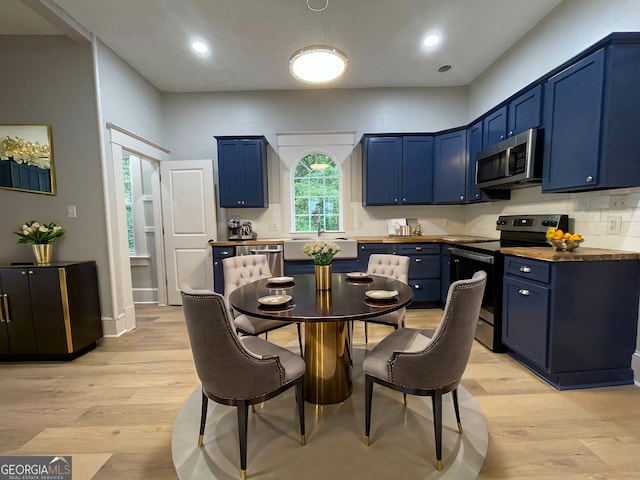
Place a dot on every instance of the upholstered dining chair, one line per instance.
(239, 271)
(424, 362)
(392, 266)
(237, 371)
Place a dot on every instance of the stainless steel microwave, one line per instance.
(511, 163)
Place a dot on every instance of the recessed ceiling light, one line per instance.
(199, 47)
(431, 40)
(444, 68)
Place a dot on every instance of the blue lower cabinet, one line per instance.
(572, 322)
(293, 267)
(219, 254)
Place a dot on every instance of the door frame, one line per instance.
(121, 284)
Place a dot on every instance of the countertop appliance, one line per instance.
(467, 258)
(511, 163)
(240, 229)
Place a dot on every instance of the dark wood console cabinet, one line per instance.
(48, 311)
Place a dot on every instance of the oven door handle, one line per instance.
(480, 257)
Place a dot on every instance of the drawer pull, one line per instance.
(224, 252)
(419, 249)
(416, 286)
(524, 292)
(525, 269)
(418, 260)
(5, 309)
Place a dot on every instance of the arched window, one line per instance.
(316, 198)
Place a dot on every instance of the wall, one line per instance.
(49, 80)
(567, 30)
(192, 121)
(129, 101)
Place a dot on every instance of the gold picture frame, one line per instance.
(26, 159)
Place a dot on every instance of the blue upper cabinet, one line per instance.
(474, 145)
(417, 168)
(520, 114)
(495, 127)
(397, 170)
(592, 110)
(525, 112)
(450, 167)
(242, 172)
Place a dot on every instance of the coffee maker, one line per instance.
(240, 229)
(233, 225)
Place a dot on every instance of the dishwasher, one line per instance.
(273, 253)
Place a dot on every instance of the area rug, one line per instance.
(402, 439)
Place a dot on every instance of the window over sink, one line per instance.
(316, 200)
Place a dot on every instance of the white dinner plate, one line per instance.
(358, 275)
(381, 294)
(280, 279)
(273, 300)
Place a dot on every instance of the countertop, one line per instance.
(578, 255)
(368, 239)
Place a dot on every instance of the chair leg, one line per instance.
(366, 332)
(368, 397)
(203, 418)
(436, 402)
(300, 402)
(243, 414)
(457, 409)
(299, 337)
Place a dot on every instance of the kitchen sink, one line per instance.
(293, 248)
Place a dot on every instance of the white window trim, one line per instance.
(292, 147)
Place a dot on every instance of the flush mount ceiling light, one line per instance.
(318, 63)
(319, 166)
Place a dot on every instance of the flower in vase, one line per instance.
(33, 232)
(322, 252)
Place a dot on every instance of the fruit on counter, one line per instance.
(558, 234)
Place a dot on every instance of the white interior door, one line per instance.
(189, 218)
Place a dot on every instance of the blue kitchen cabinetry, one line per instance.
(450, 167)
(366, 249)
(591, 108)
(242, 172)
(338, 265)
(513, 117)
(474, 145)
(397, 170)
(424, 272)
(219, 254)
(572, 322)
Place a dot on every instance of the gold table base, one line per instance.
(327, 353)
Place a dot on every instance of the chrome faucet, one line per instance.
(317, 222)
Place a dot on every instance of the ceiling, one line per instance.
(251, 40)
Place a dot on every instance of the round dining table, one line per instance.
(328, 316)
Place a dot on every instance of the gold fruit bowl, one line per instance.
(565, 245)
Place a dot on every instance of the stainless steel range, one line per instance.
(467, 258)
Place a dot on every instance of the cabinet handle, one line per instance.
(215, 263)
(404, 199)
(510, 132)
(361, 247)
(416, 286)
(418, 260)
(418, 249)
(224, 252)
(395, 200)
(31, 272)
(525, 269)
(5, 308)
(589, 179)
(461, 197)
(524, 292)
(23, 272)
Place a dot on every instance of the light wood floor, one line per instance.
(113, 409)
